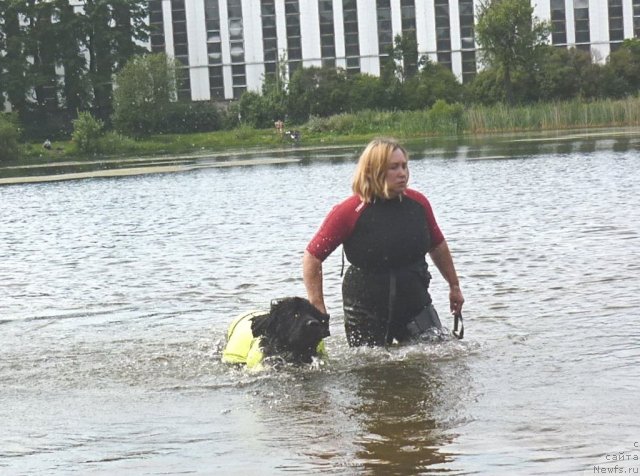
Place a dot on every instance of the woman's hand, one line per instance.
(456, 299)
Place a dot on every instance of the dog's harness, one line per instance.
(243, 348)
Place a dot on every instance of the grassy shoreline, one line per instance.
(358, 128)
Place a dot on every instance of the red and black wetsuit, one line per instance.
(381, 239)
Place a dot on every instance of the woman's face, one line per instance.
(397, 176)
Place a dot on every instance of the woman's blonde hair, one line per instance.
(369, 180)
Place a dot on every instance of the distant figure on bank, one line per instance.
(279, 125)
(47, 144)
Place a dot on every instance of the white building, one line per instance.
(229, 46)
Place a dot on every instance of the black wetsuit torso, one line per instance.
(386, 242)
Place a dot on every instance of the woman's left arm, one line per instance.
(441, 257)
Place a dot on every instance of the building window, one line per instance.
(408, 11)
(558, 23)
(467, 42)
(269, 37)
(236, 48)
(294, 43)
(214, 48)
(327, 33)
(616, 23)
(156, 26)
(351, 41)
(469, 67)
(181, 48)
(385, 30)
(443, 32)
(581, 15)
(408, 19)
(636, 18)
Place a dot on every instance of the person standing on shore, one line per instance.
(386, 230)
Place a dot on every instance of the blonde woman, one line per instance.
(386, 230)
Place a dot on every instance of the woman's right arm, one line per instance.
(312, 276)
(335, 229)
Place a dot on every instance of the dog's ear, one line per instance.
(305, 307)
(261, 324)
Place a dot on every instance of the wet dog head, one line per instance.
(293, 328)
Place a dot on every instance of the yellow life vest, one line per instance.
(243, 348)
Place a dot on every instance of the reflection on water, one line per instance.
(116, 294)
(399, 417)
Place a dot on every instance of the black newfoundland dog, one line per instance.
(291, 332)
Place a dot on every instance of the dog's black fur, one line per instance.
(292, 330)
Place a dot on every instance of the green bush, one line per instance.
(255, 110)
(146, 87)
(87, 132)
(231, 116)
(114, 143)
(447, 118)
(10, 148)
(139, 122)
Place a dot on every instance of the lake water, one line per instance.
(115, 296)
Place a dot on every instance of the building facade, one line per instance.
(226, 47)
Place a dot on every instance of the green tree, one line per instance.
(398, 70)
(254, 110)
(566, 73)
(15, 65)
(38, 37)
(145, 89)
(433, 82)
(402, 61)
(87, 132)
(510, 38)
(129, 28)
(262, 110)
(38, 34)
(110, 34)
(625, 65)
(9, 138)
(274, 90)
(487, 87)
(70, 39)
(101, 68)
(366, 91)
(317, 92)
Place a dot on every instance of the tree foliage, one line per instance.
(625, 65)
(317, 92)
(112, 26)
(89, 44)
(403, 60)
(434, 82)
(87, 131)
(9, 138)
(366, 91)
(145, 89)
(566, 73)
(145, 100)
(262, 110)
(510, 38)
